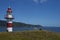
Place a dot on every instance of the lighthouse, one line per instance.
(9, 19)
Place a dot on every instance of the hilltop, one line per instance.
(18, 24)
(29, 35)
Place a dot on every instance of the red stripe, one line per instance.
(9, 11)
(9, 24)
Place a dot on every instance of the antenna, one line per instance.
(9, 6)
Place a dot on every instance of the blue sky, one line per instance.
(42, 12)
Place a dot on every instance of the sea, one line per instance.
(15, 29)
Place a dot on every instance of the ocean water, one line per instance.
(52, 29)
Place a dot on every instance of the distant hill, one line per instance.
(18, 24)
(30, 35)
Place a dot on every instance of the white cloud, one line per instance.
(36, 1)
(39, 1)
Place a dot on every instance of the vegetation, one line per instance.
(18, 24)
(29, 35)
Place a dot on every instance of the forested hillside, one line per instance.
(18, 24)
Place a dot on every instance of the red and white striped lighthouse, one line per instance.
(9, 19)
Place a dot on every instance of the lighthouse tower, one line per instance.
(9, 19)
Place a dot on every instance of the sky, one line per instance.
(37, 12)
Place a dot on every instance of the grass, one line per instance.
(29, 35)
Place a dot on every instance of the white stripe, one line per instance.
(9, 29)
(10, 16)
(10, 22)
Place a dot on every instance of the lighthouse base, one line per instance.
(9, 29)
